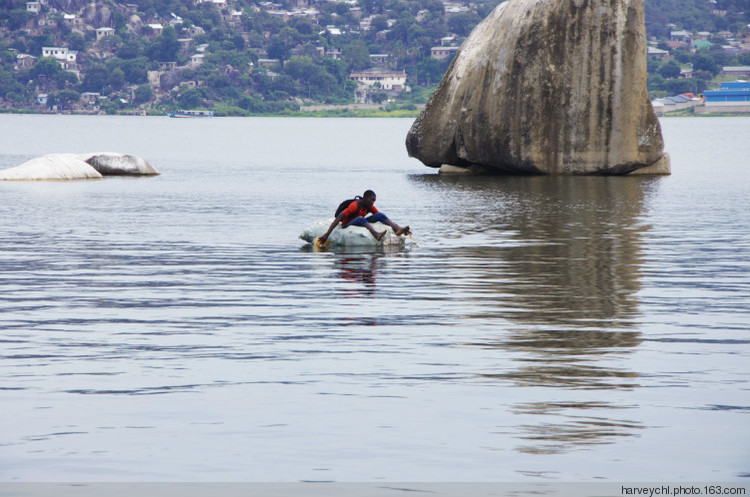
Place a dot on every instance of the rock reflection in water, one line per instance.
(567, 272)
(582, 426)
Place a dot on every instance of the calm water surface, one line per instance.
(174, 328)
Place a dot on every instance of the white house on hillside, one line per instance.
(102, 32)
(156, 28)
(441, 53)
(387, 80)
(65, 56)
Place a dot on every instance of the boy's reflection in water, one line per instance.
(359, 270)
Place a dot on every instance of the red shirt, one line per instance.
(353, 211)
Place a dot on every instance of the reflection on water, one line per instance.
(578, 428)
(360, 271)
(568, 275)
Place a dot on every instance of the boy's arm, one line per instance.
(336, 221)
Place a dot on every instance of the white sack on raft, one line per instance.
(353, 236)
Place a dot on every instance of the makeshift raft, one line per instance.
(353, 236)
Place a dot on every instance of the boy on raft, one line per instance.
(354, 215)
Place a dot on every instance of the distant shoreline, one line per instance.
(345, 112)
(355, 113)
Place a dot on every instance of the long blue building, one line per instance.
(733, 93)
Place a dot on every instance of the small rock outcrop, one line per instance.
(51, 167)
(78, 166)
(114, 164)
(98, 15)
(546, 87)
(68, 6)
(169, 80)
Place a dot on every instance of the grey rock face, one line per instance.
(68, 6)
(546, 87)
(98, 15)
(169, 80)
(114, 164)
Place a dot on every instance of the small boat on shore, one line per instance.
(191, 113)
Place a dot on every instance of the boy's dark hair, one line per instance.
(368, 193)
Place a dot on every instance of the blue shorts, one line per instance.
(360, 221)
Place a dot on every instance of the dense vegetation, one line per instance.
(233, 81)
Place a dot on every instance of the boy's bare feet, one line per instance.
(380, 236)
(403, 231)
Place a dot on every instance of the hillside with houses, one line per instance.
(242, 57)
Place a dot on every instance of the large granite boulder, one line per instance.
(51, 167)
(546, 87)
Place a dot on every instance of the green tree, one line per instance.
(238, 42)
(300, 68)
(304, 27)
(655, 82)
(463, 23)
(15, 97)
(282, 87)
(130, 49)
(670, 70)
(63, 99)
(705, 63)
(378, 97)
(77, 42)
(119, 20)
(116, 78)
(136, 70)
(191, 99)
(165, 47)
(379, 23)
(290, 36)
(678, 86)
(436, 6)
(112, 42)
(430, 71)
(372, 6)
(336, 68)
(18, 18)
(9, 85)
(47, 67)
(65, 78)
(143, 94)
(95, 79)
(356, 55)
(277, 49)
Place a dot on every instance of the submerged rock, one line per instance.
(51, 167)
(114, 164)
(546, 87)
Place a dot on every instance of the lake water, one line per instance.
(175, 328)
